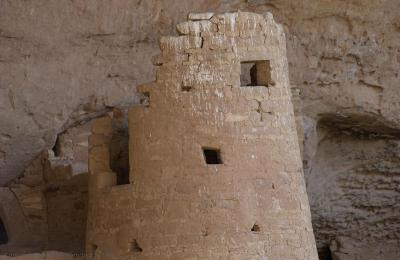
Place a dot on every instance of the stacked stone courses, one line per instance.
(247, 202)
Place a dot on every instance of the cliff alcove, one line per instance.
(65, 63)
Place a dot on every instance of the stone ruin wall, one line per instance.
(45, 208)
(249, 203)
(66, 62)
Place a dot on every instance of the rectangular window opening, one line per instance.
(212, 156)
(256, 73)
(186, 88)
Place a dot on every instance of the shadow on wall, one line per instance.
(46, 207)
(70, 237)
(353, 185)
(119, 146)
(3, 233)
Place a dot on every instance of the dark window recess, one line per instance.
(94, 250)
(3, 233)
(324, 253)
(119, 151)
(56, 147)
(256, 73)
(134, 247)
(212, 156)
(186, 88)
(256, 228)
(145, 98)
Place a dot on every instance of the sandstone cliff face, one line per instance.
(63, 62)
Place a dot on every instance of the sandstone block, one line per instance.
(102, 126)
(198, 28)
(200, 16)
(105, 179)
(181, 43)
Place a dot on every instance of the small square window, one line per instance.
(212, 156)
(255, 73)
(186, 88)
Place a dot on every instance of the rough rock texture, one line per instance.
(20, 237)
(45, 209)
(350, 249)
(216, 171)
(66, 61)
(48, 255)
(356, 176)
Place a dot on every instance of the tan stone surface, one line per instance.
(253, 205)
(75, 58)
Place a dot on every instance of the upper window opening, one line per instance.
(212, 156)
(256, 73)
(3, 233)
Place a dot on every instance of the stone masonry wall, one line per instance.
(248, 203)
(45, 208)
(110, 205)
(64, 62)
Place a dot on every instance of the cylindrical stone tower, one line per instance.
(215, 165)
